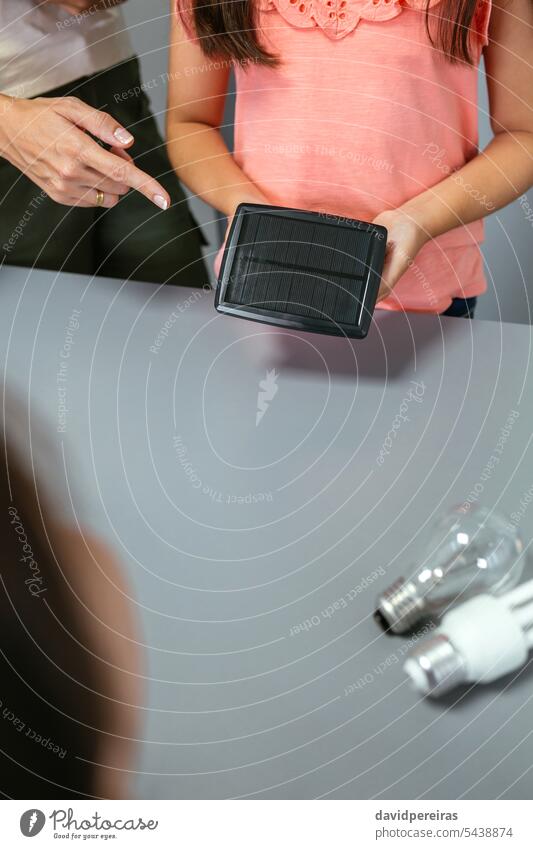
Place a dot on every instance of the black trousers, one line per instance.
(132, 240)
(462, 308)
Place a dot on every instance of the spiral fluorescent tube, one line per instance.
(478, 641)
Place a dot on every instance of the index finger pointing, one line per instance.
(121, 171)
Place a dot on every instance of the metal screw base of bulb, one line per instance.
(400, 606)
(435, 666)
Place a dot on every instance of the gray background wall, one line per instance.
(508, 248)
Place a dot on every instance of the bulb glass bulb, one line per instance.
(468, 552)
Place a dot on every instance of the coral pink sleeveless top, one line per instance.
(360, 115)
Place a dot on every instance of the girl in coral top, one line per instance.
(365, 109)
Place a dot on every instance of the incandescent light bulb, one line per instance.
(469, 552)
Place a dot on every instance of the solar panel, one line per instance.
(301, 269)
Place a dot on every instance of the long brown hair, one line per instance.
(227, 29)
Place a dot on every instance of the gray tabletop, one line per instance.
(261, 487)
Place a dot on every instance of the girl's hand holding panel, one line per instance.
(405, 239)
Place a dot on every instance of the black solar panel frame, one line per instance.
(287, 289)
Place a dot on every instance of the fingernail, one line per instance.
(123, 136)
(161, 202)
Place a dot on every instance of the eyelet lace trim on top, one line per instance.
(337, 18)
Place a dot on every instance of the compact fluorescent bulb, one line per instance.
(477, 642)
